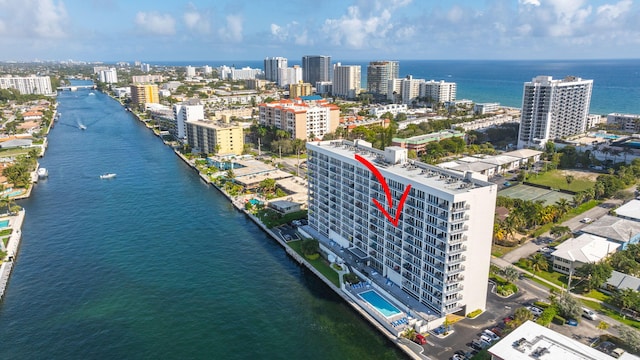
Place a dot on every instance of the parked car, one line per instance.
(491, 335)
(486, 338)
(419, 339)
(536, 311)
(586, 220)
(589, 314)
(458, 357)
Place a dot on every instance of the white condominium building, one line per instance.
(346, 81)
(187, 111)
(411, 89)
(438, 91)
(190, 71)
(39, 85)
(109, 76)
(272, 65)
(553, 109)
(625, 122)
(378, 75)
(289, 75)
(439, 252)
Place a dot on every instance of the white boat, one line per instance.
(82, 127)
(43, 172)
(91, 93)
(107, 176)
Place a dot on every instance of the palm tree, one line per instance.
(539, 262)
(510, 273)
(563, 206)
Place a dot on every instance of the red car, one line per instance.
(419, 339)
(508, 319)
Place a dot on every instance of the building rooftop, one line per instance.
(586, 248)
(523, 153)
(630, 210)
(451, 182)
(421, 139)
(533, 341)
(623, 281)
(614, 228)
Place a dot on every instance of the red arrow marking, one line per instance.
(387, 192)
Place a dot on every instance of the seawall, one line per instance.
(12, 250)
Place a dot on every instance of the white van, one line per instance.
(589, 314)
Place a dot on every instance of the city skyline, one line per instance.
(114, 30)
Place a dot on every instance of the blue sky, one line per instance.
(114, 30)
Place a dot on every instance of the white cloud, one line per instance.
(155, 23)
(279, 32)
(611, 12)
(195, 21)
(35, 19)
(302, 39)
(529, 2)
(362, 26)
(233, 30)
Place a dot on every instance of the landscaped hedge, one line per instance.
(542, 305)
(474, 313)
(557, 319)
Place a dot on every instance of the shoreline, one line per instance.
(400, 343)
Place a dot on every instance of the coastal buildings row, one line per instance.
(38, 85)
(447, 216)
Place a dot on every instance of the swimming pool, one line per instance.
(379, 303)
(15, 193)
(606, 136)
(4, 224)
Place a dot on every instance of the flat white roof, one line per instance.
(630, 210)
(586, 248)
(533, 341)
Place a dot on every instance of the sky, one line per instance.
(175, 30)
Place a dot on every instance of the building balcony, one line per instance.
(452, 300)
(456, 270)
(463, 218)
(458, 250)
(461, 229)
(454, 279)
(456, 260)
(464, 208)
(453, 290)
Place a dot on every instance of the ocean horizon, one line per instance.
(616, 82)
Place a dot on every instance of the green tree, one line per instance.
(594, 274)
(568, 306)
(267, 185)
(630, 337)
(521, 315)
(510, 273)
(539, 262)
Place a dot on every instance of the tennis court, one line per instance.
(526, 192)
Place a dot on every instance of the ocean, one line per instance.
(616, 83)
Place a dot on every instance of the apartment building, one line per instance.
(210, 137)
(185, 112)
(109, 76)
(553, 109)
(303, 119)
(625, 122)
(316, 68)
(346, 81)
(438, 91)
(39, 85)
(439, 252)
(190, 71)
(142, 94)
(136, 79)
(289, 75)
(299, 89)
(378, 75)
(272, 65)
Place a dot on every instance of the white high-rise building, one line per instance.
(190, 71)
(394, 90)
(207, 70)
(553, 109)
(410, 89)
(272, 66)
(109, 76)
(346, 81)
(439, 252)
(40, 85)
(438, 91)
(378, 75)
(187, 111)
(289, 75)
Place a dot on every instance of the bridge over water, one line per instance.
(75, 87)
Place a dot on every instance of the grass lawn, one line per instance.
(271, 218)
(499, 250)
(320, 264)
(556, 180)
(610, 313)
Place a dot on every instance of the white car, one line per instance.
(535, 310)
(491, 335)
(586, 220)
